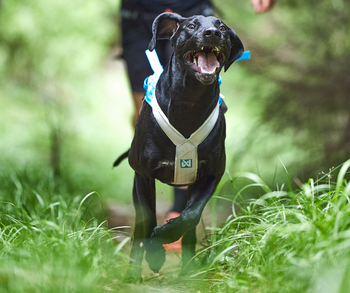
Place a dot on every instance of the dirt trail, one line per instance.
(168, 280)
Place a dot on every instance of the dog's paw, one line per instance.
(159, 235)
(162, 230)
(165, 234)
(155, 256)
(170, 221)
(157, 232)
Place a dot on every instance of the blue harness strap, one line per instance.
(150, 86)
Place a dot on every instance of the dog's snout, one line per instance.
(212, 32)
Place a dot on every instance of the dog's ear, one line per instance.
(164, 26)
(237, 49)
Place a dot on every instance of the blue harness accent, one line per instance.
(150, 86)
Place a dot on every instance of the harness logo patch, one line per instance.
(186, 163)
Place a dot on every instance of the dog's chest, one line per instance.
(170, 164)
(186, 156)
(164, 170)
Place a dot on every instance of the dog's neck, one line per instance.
(184, 100)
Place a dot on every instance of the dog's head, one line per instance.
(203, 44)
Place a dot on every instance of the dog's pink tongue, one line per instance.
(207, 62)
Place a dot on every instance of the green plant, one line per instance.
(53, 242)
(285, 240)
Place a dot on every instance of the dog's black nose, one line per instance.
(212, 32)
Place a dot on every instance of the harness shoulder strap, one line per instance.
(203, 131)
(174, 135)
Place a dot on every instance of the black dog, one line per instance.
(187, 95)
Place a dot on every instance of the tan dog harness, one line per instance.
(186, 157)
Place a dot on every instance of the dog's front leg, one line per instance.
(145, 221)
(200, 193)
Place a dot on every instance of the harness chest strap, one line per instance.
(186, 157)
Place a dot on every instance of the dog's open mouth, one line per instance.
(207, 61)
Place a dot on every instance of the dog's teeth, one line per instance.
(195, 61)
(205, 71)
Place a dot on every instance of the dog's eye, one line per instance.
(191, 26)
(222, 29)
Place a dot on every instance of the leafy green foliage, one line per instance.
(62, 40)
(52, 242)
(60, 115)
(285, 241)
(299, 75)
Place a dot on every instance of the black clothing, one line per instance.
(137, 18)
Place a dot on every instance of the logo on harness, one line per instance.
(186, 163)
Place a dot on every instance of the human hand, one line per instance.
(261, 6)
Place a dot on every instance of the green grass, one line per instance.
(53, 242)
(283, 241)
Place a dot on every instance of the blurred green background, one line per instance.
(66, 105)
